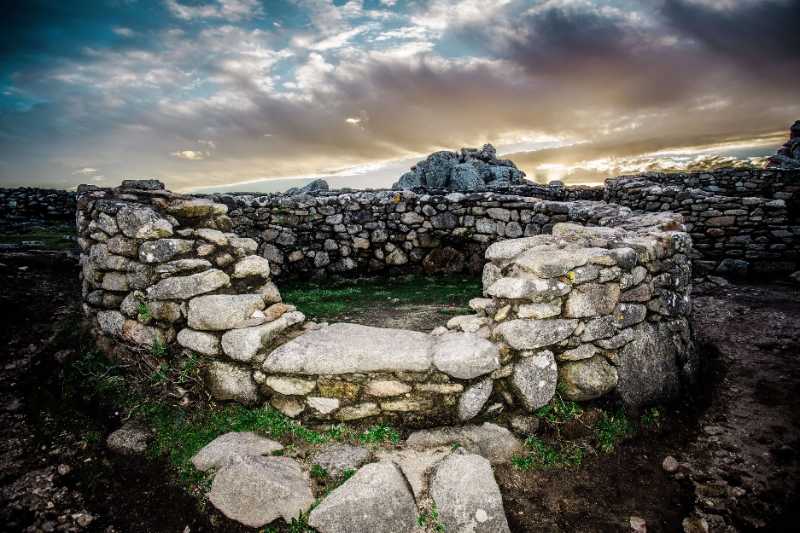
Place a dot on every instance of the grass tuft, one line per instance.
(542, 455)
(612, 429)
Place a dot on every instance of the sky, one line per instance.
(263, 94)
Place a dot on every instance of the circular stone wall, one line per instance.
(588, 311)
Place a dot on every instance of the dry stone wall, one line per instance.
(372, 231)
(596, 310)
(163, 270)
(26, 206)
(742, 222)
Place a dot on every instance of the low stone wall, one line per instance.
(733, 234)
(594, 310)
(26, 206)
(766, 183)
(600, 310)
(161, 270)
(371, 231)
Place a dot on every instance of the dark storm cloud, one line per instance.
(754, 33)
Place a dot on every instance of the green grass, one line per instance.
(612, 429)
(318, 472)
(379, 434)
(431, 519)
(326, 301)
(543, 455)
(53, 237)
(651, 419)
(559, 411)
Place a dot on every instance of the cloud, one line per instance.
(123, 32)
(231, 10)
(190, 155)
(85, 171)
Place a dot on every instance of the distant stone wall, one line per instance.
(742, 222)
(403, 231)
(26, 206)
(766, 183)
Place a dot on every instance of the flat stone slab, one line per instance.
(375, 500)
(349, 348)
(467, 496)
(489, 440)
(224, 448)
(352, 348)
(338, 458)
(256, 490)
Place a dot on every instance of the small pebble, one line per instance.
(638, 524)
(670, 464)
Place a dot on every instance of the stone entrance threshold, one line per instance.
(348, 371)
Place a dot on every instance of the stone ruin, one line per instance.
(593, 311)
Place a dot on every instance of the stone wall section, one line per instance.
(600, 310)
(372, 231)
(742, 223)
(27, 205)
(161, 270)
(590, 312)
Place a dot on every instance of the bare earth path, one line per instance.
(737, 443)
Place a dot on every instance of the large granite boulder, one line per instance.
(788, 156)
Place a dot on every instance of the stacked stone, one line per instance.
(28, 205)
(593, 310)
(160, 268)
(733, 234)
(767, 183)
(369, 231)
(345, 372)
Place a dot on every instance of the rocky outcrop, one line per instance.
(788, 155)
(312, 187)
(470, 169)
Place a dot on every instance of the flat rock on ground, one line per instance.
(338, 458)
(257, 490)
(375, 500)
(493, 442)
(467, 496)
(224, 448)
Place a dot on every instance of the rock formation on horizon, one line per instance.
(313, 186)
(471, 169)
(788, 156)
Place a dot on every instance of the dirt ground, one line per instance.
(736, 441)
